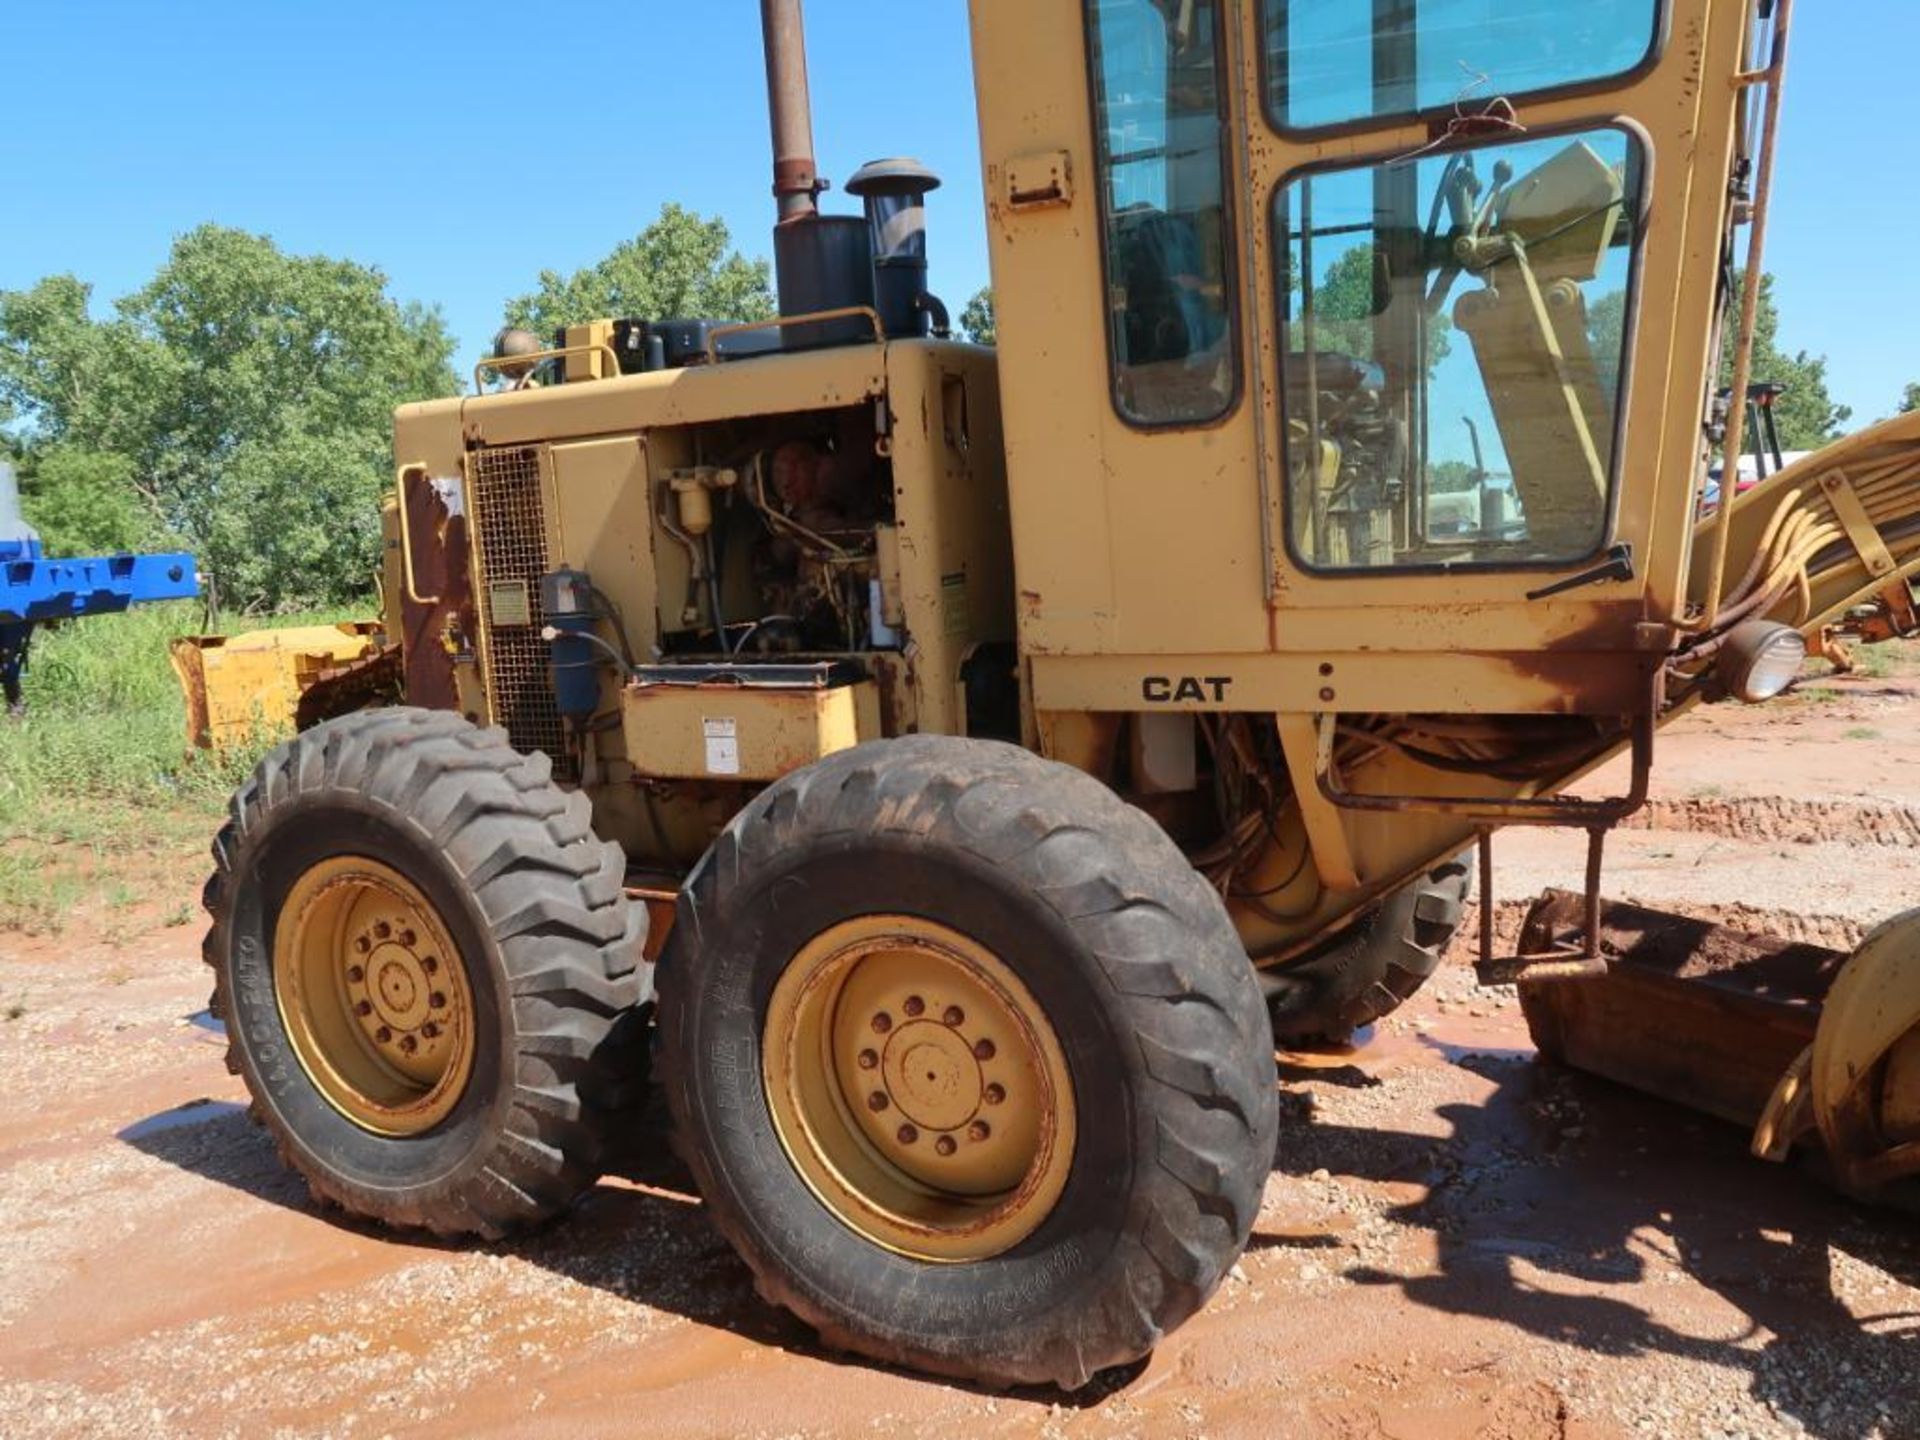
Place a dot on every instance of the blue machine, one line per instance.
(35, 591)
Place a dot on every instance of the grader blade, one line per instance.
(1796, 1041)
(1689, 1011)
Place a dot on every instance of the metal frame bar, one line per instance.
(540, 357)
(1773, 76)
(406, 537)
(1543, 810)
(784, 322)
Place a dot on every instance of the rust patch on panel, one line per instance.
(442, 567)
(1601, 668)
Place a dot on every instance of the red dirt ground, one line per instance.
(1457, 1241)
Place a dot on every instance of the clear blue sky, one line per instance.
(461, 148)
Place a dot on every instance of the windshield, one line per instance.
(1335, 62)
(1453, 349)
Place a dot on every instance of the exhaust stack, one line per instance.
(821, 262)
(796, 176)
(876, 261)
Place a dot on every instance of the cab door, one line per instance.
(1487, 238)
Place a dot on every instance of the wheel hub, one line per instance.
(932, 1075)
(919, 1088)
(373, 996)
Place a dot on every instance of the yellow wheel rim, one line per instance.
(374, 996)
(919, 1089)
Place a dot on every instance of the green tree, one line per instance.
(1806, 414)
(1607, 326)
(1345, 304)
(977, 321)
(242, 400)
(680, 267)
(1910, 398)
(83, 502)
(1452, 477)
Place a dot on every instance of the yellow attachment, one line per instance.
(374, 996)
(241, 687)
(919, 1089)
(1865, 1066)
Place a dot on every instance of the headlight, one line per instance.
(1760, 659)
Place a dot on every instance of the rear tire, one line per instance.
(524, 975)
(1038, 874)
(1374, 966)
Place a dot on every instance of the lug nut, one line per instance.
(983, 1050)
(915, 1006)
(994, 1094)
(407, 937)
(364, 1008)
(877, 1101)
(356, 974)
(363, 944)
(955, 1016)
(868, 1059)
(430, 1030)
(979, 1131)
(382, 931)
(430, 965)
(882, 1023)
(383, 1035)
(945, 1145)
(908, 1134)
(409, 1044)
(438, 999)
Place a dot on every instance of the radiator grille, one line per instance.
(510, 521)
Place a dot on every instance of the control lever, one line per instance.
(1502, 178)
(1463, 194)
(1617, 566)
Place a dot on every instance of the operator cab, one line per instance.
(1451, 318)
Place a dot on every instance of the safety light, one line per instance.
(1760, 659)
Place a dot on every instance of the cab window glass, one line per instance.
(1453, 352)
(1161, 133)
(1333, 62)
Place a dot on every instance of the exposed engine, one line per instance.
(785, 540)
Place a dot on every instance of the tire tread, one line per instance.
(1156, 933)
(553, 896)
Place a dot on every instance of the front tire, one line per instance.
(429, 972)
(1074, 1156)
(1374, 966)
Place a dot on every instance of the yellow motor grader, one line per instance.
(947, 771)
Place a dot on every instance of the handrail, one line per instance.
(1522, 810)
(406, 538)
(1773, 76)
(540, 357)
(782, 322)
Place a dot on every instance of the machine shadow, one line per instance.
(642, 1236)
(1518, 1200)
(1515, 1198)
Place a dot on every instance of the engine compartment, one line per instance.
(784, 533)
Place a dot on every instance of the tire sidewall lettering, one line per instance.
(421, 1166)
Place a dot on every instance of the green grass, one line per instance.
(105, 724)
(1862, 732)
(104, 810)
(1876, 662)
(1888, 660)
(1813, 694)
